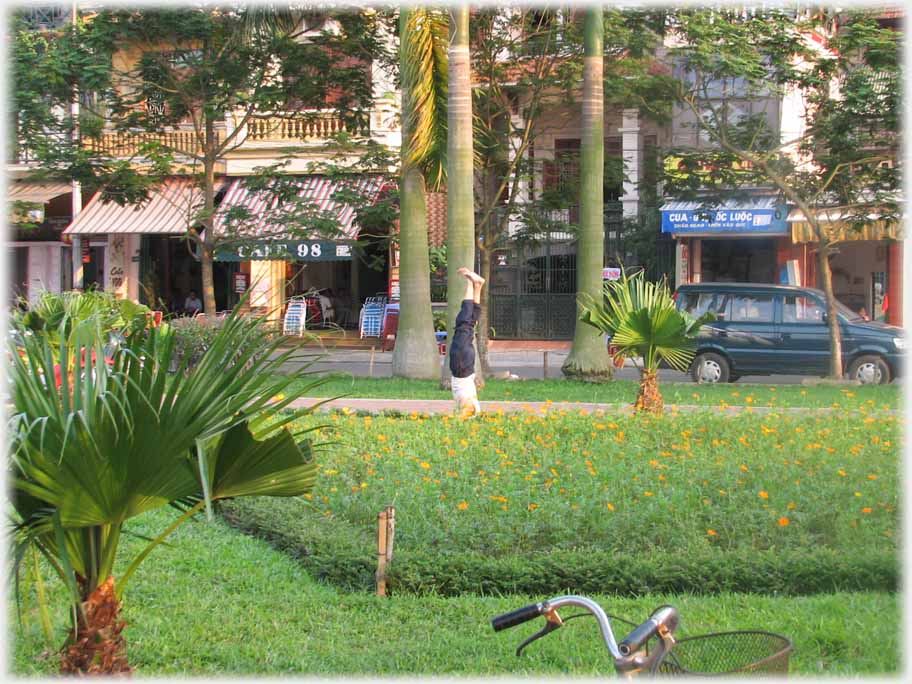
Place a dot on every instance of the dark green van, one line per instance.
(766, 329)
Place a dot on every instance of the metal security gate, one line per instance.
(533, 290)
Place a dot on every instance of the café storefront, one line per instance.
(277, 267)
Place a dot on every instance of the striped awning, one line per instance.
(315, 197)
(169, 210)
(37, 192)
(840, 230)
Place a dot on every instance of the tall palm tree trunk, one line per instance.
(415, 354)
(588, 359)
(96, 645)
(460, 197)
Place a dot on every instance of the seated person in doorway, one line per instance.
(462, 352)
(326, 306)
(192, 305)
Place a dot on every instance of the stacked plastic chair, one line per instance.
(295, 317)
(372, 313)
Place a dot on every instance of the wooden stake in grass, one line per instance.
(386, 530)
(545, 365)
(370, 371)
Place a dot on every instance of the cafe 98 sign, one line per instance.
(286, 250)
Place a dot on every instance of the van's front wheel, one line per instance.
(710, 368)
(869, 370)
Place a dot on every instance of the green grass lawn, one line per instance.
(624, 392)
(708, 492)
(217, 602)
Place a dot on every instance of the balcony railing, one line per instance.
(303, 127)
(119, 144)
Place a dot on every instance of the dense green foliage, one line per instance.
(553, 500)
(86, 318)
(211, 584)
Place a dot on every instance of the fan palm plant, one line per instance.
(642, 321)
(91, 316)
(123, 437)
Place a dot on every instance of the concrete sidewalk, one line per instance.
(441, 406)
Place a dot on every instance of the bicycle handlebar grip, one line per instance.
(633, 642)
(516, 617)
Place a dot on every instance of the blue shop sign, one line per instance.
(726, 220)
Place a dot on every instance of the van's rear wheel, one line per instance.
(869, 370)
(710, 368)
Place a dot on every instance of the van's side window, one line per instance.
(752, 309)
(798, 309)
(698, 303)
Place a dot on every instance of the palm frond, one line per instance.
(423, 68)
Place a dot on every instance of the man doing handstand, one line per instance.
(462, 352)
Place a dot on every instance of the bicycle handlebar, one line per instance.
(665, 617)
(517, 617)
(662, 620)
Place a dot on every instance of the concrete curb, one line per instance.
(444, 406)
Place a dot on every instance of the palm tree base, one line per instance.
(575, 371)
(96, 646)
(649, 399)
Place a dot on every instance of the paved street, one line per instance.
(525, 364)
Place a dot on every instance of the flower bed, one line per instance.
(803, 502)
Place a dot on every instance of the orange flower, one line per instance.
(791, 505)
(533, 506)
(647, 493)
(610, 506)
(711, 533)
(425, 465)
(783, 522)
(866, 509)
(462, 506)
(763, 495)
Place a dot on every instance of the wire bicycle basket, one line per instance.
(724, 653)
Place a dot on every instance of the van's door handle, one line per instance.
(723, 333)
(785, 336)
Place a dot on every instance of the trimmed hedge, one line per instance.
(336, 552)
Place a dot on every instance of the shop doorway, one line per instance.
(738, 260)
(169, 272)
(93, 270)
(328, 284)
(859, 272)
(20, 275)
